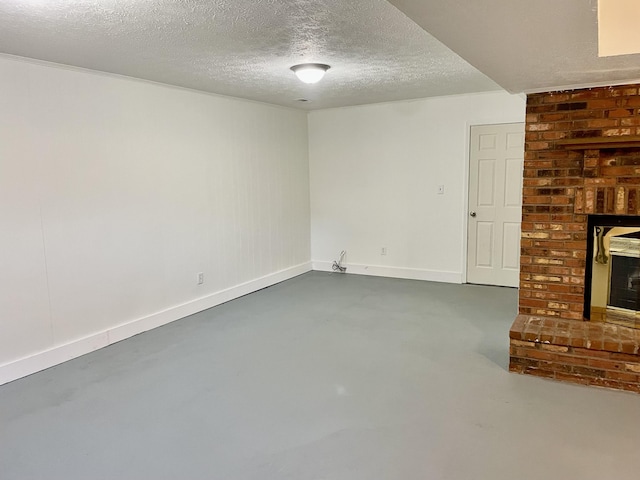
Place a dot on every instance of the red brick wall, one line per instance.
(562, 186)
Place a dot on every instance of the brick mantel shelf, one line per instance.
(626, 141)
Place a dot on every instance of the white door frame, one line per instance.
(467, 168)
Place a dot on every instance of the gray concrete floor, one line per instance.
(325, 376)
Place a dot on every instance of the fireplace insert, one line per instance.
(612, 284)
(625, 273)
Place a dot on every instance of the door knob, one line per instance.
(473, 214)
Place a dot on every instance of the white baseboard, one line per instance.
(394, 272)
(62, 353)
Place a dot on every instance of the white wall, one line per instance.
(115, 193)
(374, 176)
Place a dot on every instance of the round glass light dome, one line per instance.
(310, 72)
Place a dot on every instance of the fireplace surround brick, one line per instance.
(580, 159)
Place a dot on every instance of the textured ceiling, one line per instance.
(525, 46)
(244, 48)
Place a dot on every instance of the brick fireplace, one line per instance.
(582, 163)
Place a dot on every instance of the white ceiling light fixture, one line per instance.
(310, 72)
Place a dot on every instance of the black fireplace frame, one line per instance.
(600, 221)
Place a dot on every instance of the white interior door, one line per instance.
(495, 204)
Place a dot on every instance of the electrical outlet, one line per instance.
(383, 251)
(440, 189)
(200, 278)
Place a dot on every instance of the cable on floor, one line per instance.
(337, 264)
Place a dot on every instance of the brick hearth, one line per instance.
(582, 157)
(589, 353)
